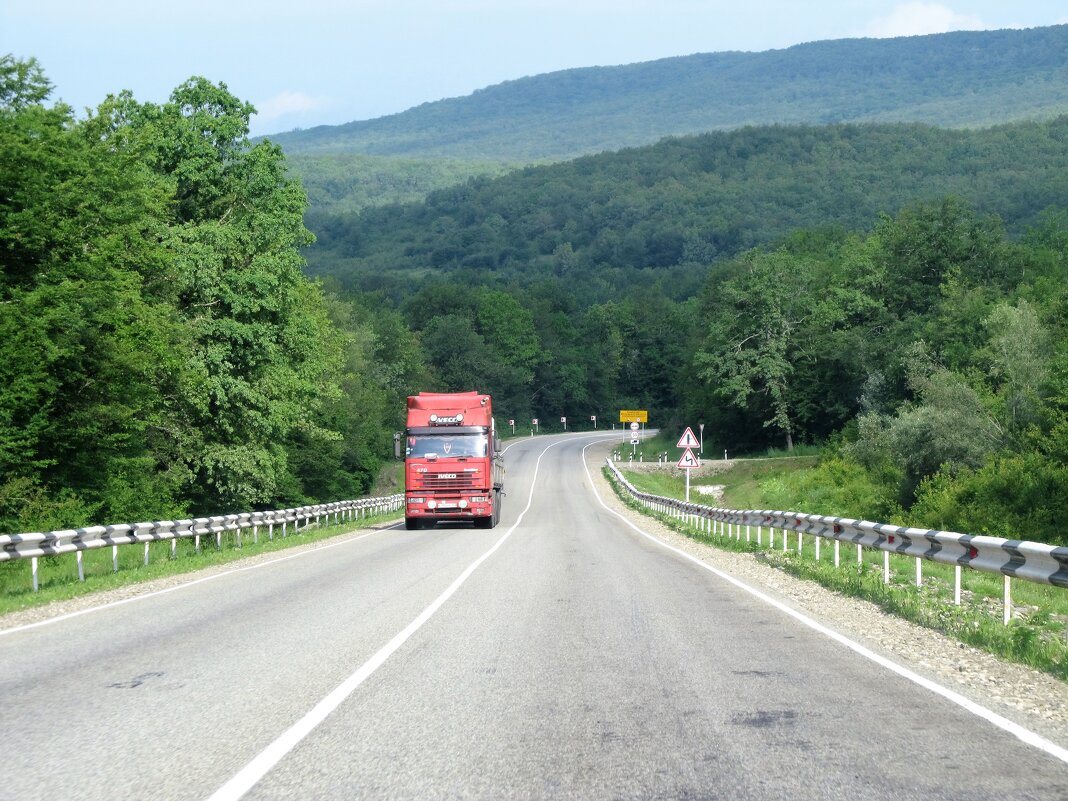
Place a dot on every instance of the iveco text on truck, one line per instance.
(452, 464)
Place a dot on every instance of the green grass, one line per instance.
(58, 575)
(742, 483)
(1034, 637)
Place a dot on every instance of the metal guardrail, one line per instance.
(50, 543)
(1030, 561)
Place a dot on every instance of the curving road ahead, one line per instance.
(560, 655)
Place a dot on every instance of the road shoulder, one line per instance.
(1025, 696)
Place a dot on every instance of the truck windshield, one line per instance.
(442, 445)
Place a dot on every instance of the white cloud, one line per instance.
(917, 19)
(286, 103)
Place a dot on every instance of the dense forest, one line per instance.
(164, 354)
(662, 213)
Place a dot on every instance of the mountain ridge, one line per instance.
(961, 79)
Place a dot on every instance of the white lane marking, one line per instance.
(191, 583)
(246, 778)
(1026, 735)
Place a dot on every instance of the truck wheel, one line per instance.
(484, 522)
(411, 523)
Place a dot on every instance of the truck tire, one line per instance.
(412, 523)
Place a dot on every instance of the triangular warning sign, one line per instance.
(688, 440)
(688, 460)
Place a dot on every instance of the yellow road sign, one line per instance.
(633, 416)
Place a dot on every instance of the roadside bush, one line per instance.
(1020, 496)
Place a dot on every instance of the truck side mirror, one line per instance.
(397, 445)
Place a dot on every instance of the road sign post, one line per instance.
(688, 461)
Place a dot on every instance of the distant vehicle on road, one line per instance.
(452, 460)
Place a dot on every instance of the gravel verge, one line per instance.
(1030, 698)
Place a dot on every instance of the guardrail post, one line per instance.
(956, 584)
(1008, 600)
(81, 567)
(146, 553)
(837, 552)
(818, 538)
(255, 534)
(860, 553)
(114, 558)
(33, 572)
(174, 547)
(919, 572)
(886, 567)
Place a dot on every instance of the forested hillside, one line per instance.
(661, 214)
(969, 79)
(962, 79)
(346, 183)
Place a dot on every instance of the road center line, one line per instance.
(245, 779)
(1024, 734)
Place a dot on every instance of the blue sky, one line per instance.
(331, 61)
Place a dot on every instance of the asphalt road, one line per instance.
(559, 655)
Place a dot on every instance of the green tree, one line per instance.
(83, 351)
(754, 337)
(1020, 352)
(263, 351)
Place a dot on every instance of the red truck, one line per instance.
(452, 463)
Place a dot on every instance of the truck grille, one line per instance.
(449, 482)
